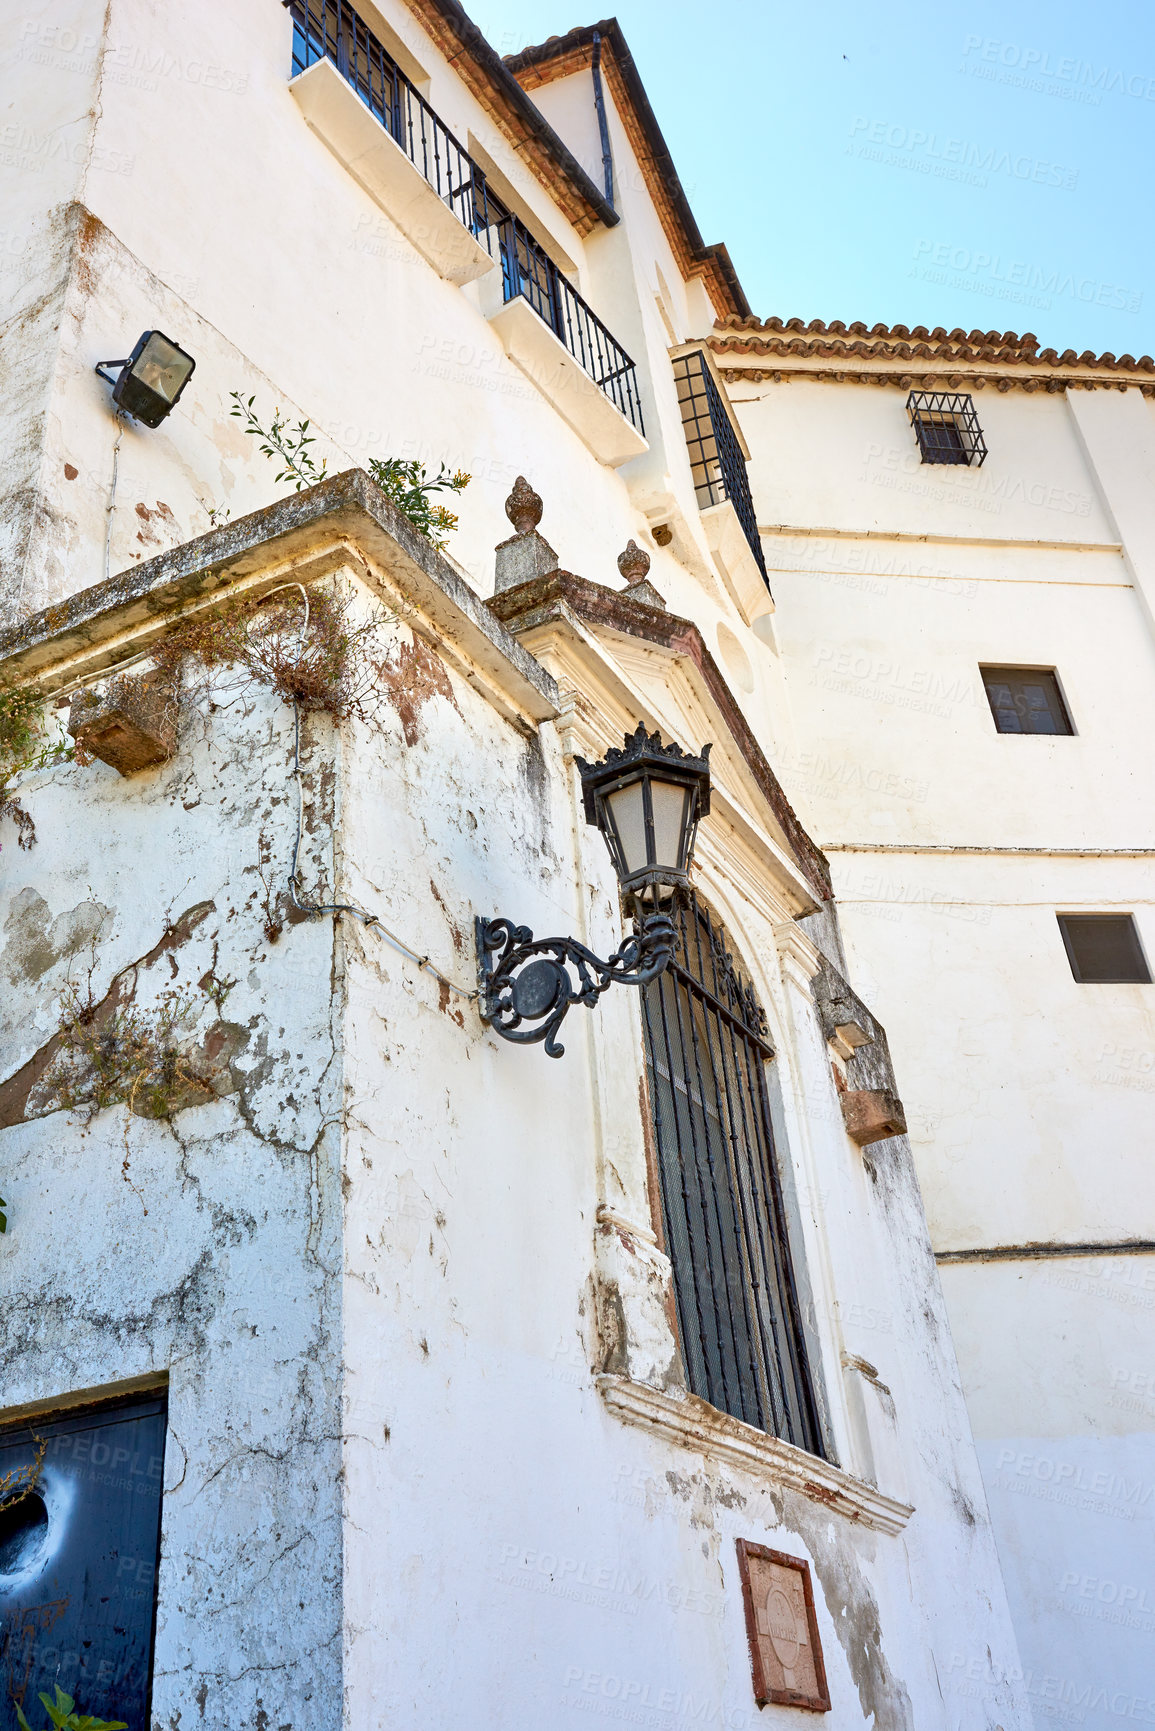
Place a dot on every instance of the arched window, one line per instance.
(725, 1225)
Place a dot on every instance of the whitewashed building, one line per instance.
(968, 651)
(361, 1366)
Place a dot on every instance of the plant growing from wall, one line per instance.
(402, 479)
(130, 1057)
(63, 1715)
(25, 743)
(20, 1482)
(310, 647)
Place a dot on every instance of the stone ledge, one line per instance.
(694, 1425)
(298, 539)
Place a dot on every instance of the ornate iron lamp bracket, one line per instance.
(525, 986)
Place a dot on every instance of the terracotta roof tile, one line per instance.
(1004, 359)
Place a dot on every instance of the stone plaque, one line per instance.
(785, 1651)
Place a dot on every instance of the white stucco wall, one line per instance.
(201, 1247)
(1026, 1092)
(431, 1469)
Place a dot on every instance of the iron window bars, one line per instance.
(332, 30)
(947, 427)
(716, 460)
(739, 1317)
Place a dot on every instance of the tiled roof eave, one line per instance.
(796, 339)
(949, 375)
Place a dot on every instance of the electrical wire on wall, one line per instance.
(112, 495)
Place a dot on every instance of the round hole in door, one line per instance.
(23, 1534)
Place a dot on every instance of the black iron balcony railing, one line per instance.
(528, 270)
(716, 460)
(332, 30)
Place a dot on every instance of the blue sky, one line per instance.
(982, 165)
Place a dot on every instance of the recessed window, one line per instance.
(1104, 949)
(735, 1286)
(946, 427)
(1025, 700)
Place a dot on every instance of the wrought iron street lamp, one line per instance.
(151, 379)
(646, 798)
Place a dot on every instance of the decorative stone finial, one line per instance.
(634, 562)
(523, 507)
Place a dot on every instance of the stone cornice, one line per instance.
(530, 605)
(483, 71)
(692, 1424)
(563, 55)
(915, 358)
(345, 521)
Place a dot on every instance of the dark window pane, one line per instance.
(78, 1560)
(1104, 949)
(722, 1209)
(1025, 701)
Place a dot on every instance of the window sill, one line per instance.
(691, 1423)
(361, 144)
(530, 343)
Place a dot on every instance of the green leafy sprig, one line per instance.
(63, 1715)
(404, 480)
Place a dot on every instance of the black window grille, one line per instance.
(947, 427)
(332, 30)
(725, 1225)
(1025, 700)
(1104, 949)
(79, 1537)
(716, 460)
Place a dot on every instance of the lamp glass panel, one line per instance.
(162, 367)
(628, 816)
(669, 805)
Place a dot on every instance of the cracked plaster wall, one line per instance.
(510, 1542)
(206, 1246)
(366, 1264)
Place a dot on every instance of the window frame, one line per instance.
(762, 1345)
(1007, 670)
(1073, 959)
(929, 410)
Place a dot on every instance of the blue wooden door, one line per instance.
(79, 1534)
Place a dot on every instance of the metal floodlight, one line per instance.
(151, 380)
(646, 798)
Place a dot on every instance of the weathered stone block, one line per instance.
(872, 1114)
(522, 558)
(131, 725)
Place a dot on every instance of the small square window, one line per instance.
(1104, 949)
(947, 427)
(1025, 700)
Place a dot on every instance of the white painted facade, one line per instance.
(953, 849)
(430, 1451)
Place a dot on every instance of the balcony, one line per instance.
(721, 484)
(357, 99)
(559, 342)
